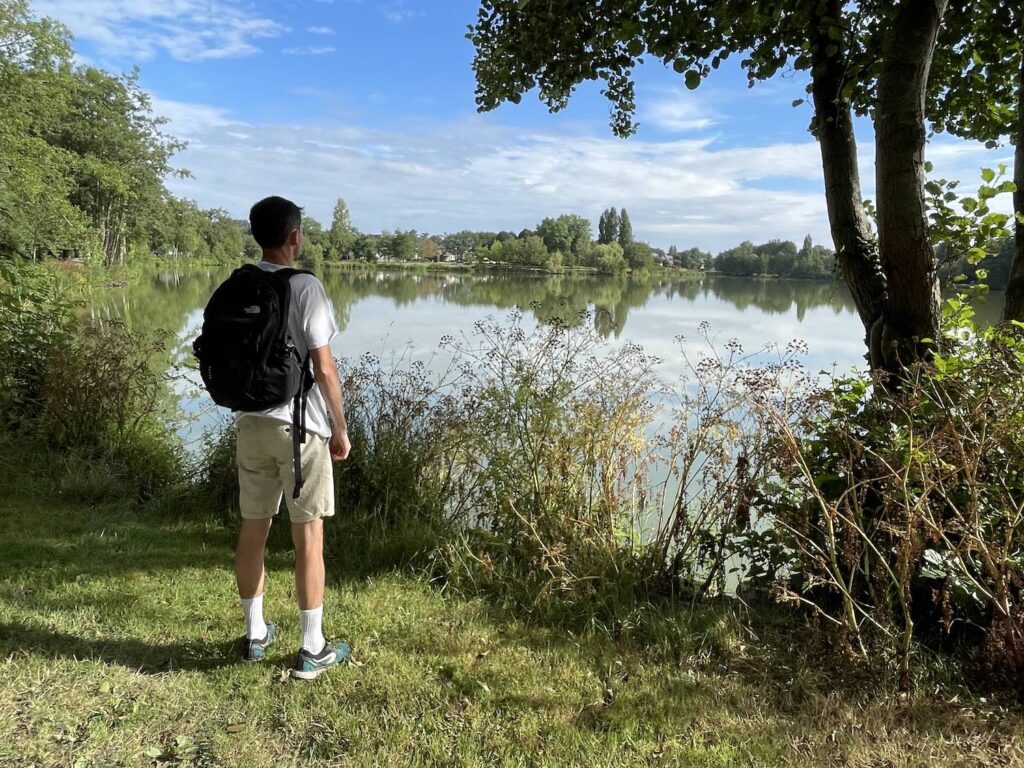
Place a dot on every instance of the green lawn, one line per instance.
(117, 648)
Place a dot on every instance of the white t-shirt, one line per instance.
(312, 325)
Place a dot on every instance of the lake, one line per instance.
(391, 313)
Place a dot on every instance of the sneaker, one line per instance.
(254, 650)
(307, 666)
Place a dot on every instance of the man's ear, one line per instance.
(293, 237)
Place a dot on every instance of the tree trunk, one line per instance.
(855, 244)
(1014, 309)
(908, 260)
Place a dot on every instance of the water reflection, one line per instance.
(168, 296)
(378, 309)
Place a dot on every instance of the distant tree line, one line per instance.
(556, 242)
(778, 258)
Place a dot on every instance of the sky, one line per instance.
(373, 101)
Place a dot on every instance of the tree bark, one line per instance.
(852, 236)
(1014, 309)
(908, 260)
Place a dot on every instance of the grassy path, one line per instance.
(116, 648)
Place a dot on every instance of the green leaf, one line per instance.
(798, 102)
(988, 174)
(679, 66)
(692, 79)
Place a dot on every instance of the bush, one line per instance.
(555, 455)
(900, 511)
(402, 487)
(526, 468)
(91, 394)
(36, 316)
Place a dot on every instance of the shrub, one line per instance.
(556, 455)
(36, 316)
(89, 393)
(403, 485)
(901, 511)
(104, 400)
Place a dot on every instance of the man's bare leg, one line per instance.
(309, 581)
(252, 541)
(249, 573)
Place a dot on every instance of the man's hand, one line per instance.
(340, 446)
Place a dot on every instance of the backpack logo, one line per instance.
(253, 310)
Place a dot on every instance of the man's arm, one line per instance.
(325, 373)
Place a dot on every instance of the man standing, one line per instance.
(265, 456)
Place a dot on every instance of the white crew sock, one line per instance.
(255, 626)
(312, 631)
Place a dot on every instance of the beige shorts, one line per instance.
(266, 472)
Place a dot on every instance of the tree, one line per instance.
(692, 258)
(429, 249)
(639, 256)
(226, 240)
(36, 215)
(120, 156)
(741, 261)
(781, 255)
(977, 92)
(607, 258)
(555, 234)
(342, 234)
(364, 248)
(401, 246)
(82, 157)
(460, 244)
(567, 234)
(872, 57)
(625, 230)
(608, 227)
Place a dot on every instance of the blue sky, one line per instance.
(373, 101)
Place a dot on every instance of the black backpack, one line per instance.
(246, 355)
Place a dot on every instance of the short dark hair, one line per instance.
(272, 219)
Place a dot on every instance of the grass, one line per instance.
(117, 633)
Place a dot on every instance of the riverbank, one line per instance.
(116, 648)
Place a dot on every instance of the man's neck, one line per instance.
(280, 258)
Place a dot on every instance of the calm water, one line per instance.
(390, 313)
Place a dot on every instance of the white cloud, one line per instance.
(678, 111)
(189, 121)
(187, 30)
(397, 12)
(309, 50)
(477, 174)
(320, 30)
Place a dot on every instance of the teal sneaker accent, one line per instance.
(254, 650)
(308, 667)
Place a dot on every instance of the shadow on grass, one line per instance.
(146, 658)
